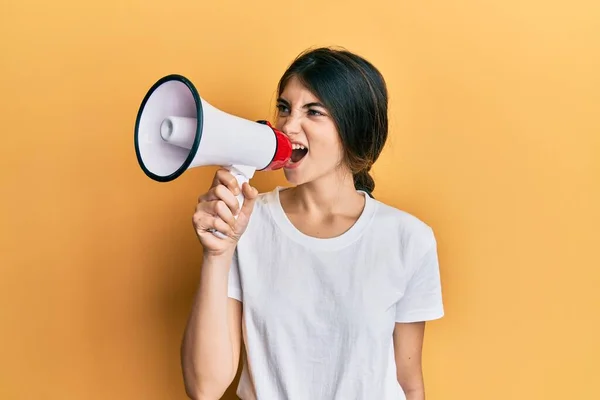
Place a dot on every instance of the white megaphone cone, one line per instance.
(176, 130)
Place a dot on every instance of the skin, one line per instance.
(323, 203)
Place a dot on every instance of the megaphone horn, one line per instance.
(176, 130)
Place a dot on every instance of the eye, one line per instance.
(283, 109)
(315, 113)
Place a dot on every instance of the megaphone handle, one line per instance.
(241, 177)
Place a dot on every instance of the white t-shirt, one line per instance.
(319, 314)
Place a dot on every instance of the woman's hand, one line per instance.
(216, 209)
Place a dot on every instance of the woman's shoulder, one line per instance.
(409, 226)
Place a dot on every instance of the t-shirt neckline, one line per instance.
(327, 244)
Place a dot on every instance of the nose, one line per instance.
(291, 125)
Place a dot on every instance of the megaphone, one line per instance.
(176, 130)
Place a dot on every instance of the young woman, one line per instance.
(327, 288)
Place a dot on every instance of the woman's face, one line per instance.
(308, 125)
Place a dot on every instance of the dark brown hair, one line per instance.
(355, 94)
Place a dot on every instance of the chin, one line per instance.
(300, 176)
(294, 173)
(293, 177)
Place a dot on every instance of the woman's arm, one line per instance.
(408, 345)
(210, 349)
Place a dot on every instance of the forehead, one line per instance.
(295, 91)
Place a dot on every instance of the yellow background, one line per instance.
(495, 142)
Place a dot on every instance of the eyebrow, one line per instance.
(307, 105)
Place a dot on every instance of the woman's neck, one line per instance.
(329, 195)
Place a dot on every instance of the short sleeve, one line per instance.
(234, 287)
(422, 300)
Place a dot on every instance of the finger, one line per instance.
(226, 178)
(213, 194)
(250, 196)
(220, 209)
(224, 194)
(217, 177)
(220, 192)
(214, 208)
(215, 233)
(206, 222)
(221, 226)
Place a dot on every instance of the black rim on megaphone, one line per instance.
(184, 166)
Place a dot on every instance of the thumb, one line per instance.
(250, 195)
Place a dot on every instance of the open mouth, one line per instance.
(298, 152)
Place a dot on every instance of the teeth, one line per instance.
(296, 146)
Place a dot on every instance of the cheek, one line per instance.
(278, 124)
(325, 142)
